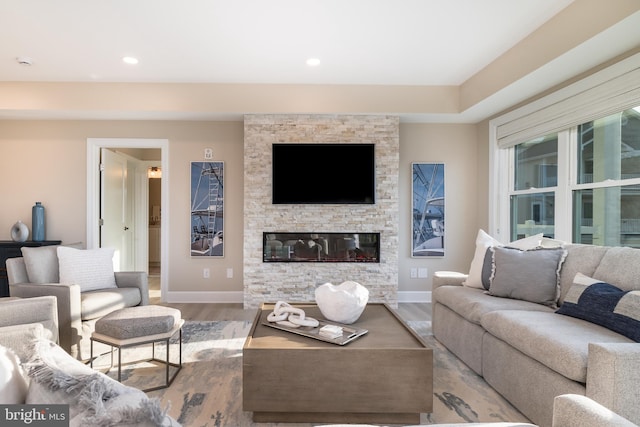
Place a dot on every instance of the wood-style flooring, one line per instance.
(235, 311)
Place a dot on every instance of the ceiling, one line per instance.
(358, 42)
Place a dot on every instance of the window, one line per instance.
(606, 200)
(604, 185)
(535, 171)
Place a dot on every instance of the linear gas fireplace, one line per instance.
(320, 247)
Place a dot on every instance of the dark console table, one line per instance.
(11, 249)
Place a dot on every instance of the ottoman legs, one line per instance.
(119, 344)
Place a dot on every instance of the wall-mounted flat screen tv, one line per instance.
(324, 173)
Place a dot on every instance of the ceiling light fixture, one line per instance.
(130, 60)
(313, 62)
(154, 172)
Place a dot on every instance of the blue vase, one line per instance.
(37, 225)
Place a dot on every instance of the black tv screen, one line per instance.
(324, 173)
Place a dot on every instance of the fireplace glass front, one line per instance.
(320, 247)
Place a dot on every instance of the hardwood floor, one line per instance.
(235, 311)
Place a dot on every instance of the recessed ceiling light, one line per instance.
(130, 60)
(313, 62)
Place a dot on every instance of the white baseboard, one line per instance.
(409, 296)
(238, 297)
(204, 297)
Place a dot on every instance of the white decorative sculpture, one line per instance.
(284, 314)
(343, 303)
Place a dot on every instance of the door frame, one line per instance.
(94, 145)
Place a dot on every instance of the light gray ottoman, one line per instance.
(134, 326)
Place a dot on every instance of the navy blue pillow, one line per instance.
(605, 305)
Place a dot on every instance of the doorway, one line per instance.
(142, 213)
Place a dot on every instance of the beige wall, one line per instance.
(455, 145)
(46, 161)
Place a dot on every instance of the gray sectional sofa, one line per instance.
(529, 353)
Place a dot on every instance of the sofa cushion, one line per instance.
(485, 241)
(580, 259)
(559, 342)
(91, 269)
(531, 275)
(619, 266)
(605, 305)
(95, 304)
(472, 303)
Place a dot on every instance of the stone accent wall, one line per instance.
(296, 282)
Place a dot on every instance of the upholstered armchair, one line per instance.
(84, 284)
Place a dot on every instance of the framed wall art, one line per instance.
(207, 209)
(427, 207)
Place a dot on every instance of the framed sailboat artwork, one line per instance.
(207, 209)
(427, 210)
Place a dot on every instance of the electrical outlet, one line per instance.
(423, 273)
(229, 273)
(208, 153)
(414, 273)
(206, 273)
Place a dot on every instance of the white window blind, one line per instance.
(611, 90)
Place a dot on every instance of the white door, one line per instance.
(115, 210)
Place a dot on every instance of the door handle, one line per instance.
(126, 228)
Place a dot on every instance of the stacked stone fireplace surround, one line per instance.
(296, 282)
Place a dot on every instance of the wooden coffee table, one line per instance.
(385, 376)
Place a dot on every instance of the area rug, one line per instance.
(207, 392)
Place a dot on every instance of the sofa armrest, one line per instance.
(24, 311)
(613, 377)
(19, 337)
(572, 410)
(447, 278)
(68, 305)
(134, 279)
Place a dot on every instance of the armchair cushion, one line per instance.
(96, 304)
(91, 269)
(41, 263)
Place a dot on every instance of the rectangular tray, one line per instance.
(348, 334)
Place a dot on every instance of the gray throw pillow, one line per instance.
(531, 275)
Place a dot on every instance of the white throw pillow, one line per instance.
(13, 382)
(91, 269)
(485, 241)
(41, 263)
